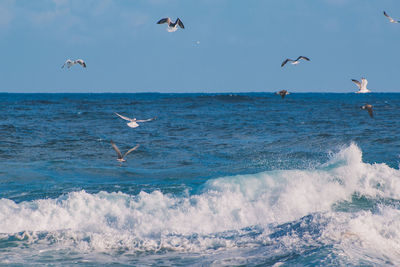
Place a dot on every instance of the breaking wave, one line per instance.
(347, 205)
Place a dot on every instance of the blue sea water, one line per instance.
(218, 180)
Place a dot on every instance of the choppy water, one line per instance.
(219, 180)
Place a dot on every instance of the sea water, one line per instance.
(218, 180)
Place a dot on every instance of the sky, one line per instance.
(226, 46)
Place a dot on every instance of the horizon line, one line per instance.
(227, 92)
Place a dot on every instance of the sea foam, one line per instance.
(225, 213)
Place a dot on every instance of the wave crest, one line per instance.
(228, 212)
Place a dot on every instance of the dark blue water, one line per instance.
(218, 179)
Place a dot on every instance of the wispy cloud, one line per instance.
(79, 21)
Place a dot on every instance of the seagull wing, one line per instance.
(146, 120)
(116, 149)
(180, 23)
(302, 57)
(123, 117)
(81, 62)
(164, 20)
(286, 61)
(370, 112)
(130, 150)
(364, 83)
(357, 83)
(66, 62)
(386, 15)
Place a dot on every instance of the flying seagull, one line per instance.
(390, 18)
(69, 63)
(294, 62)
(120, 156)
(362, 86)
(172, 26)
(133, 122)
(368, 107)
(282, 93)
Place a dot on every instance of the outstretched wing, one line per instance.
(116, 149)
(364, 83)
(130, 150)
(180, 23)
(357, 83)
(123, 117)
(286, 61)
(66, 62)
(164, 20)
(390, 18)
(81, 62)
(146, 120)
(302, 57)
(371, 114)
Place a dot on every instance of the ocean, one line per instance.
(245, 179)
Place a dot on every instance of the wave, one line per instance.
(349, 204)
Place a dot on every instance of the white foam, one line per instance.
(366, 237)
(153, 221)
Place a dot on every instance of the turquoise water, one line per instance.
(220, 180)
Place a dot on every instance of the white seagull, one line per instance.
(362, 86)
(172, 26)
(120, 156)
(69, 63)
(390, 18)
(133, 122)
(294, 62)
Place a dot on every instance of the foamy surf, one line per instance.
(348, 206)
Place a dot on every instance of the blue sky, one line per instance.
(242, 44)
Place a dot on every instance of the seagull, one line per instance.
(133, 122)
(368, 107)
(362, 86)
(172, 26)
(390, 18)
(69, 63)
(294, 62)
(282, 93)
(120, 156)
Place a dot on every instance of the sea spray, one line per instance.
(153, 221)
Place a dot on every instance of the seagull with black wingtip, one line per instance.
(69, 63)
(362, 86)
(172, 26)
(294, 62)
